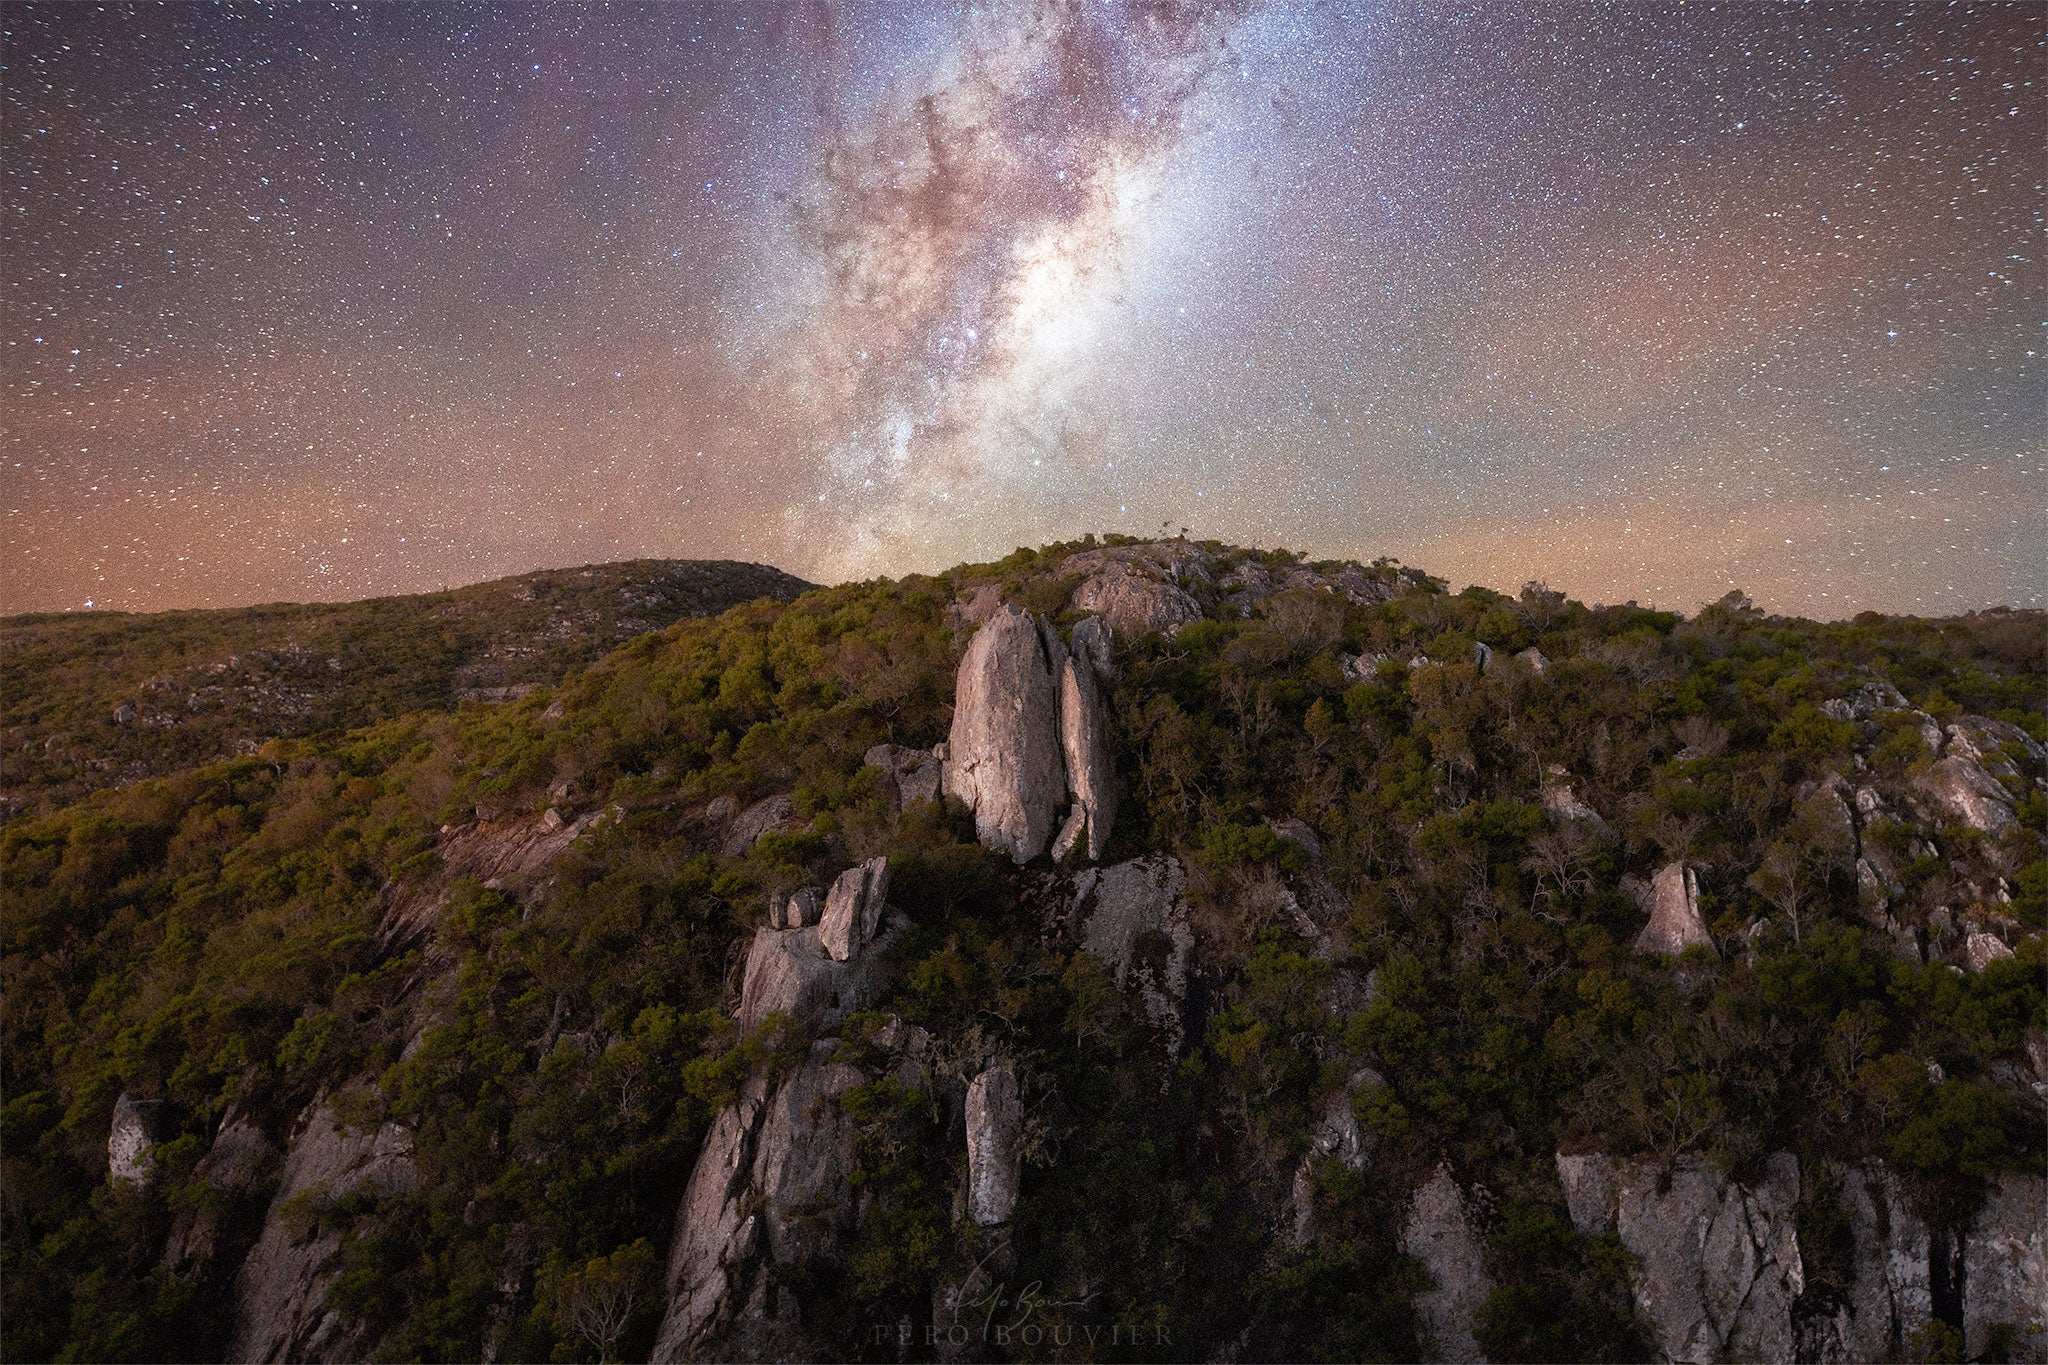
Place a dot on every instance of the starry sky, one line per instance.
(1646, 301)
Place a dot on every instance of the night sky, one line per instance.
(1647, 301)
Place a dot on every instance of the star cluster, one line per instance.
(1647, 301)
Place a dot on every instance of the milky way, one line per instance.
(1647, 302)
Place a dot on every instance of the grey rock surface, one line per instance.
(1890, 1297)
(995, 1122)
(1675, 922)
(2005, 1267)
(1136, 588)
(1958, 787)
(1134, 917)
(769, 1188)
(1717, 1263)
(1003, 755)
(238, 1168)
(1440, 1234)
(280, 1292)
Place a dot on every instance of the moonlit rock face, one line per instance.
(1004, 750)
(1675, 922)
(995, 1120)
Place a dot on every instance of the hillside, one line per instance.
(1123, 951)
(101, 699)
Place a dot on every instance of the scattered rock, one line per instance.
(1866, 702)
(1482, 656)
(854, 909)
(1675, 922)
(1439, 1233)
(995, 1121)
(1981, 950)
(914, 774)
(1300, 834)
(134, 1131)
(124, 713)
(795, 909)
(1134, 917)
(1003, 756)
(1561, 799)
(1958, 787)
(770, 815)
(1533, 658)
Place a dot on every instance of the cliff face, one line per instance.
(1222, 954)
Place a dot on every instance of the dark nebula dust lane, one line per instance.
(1645, 301)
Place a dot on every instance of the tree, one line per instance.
(597, 1303)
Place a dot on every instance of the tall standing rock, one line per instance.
(1003, 755)
(1084, 740)
(1675, 921)
(995, 1121)
(853, 909)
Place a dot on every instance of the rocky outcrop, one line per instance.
(853, 910)
(236, 1170)
(769, 1188)
(1003, 756)
(2005, 1267)
(279, 1295)
(1717, 1262)
(1675, 921)
(130, 1137)
(1137, 588)
(1980, 950)
(1336, 1137)
(912, 774)
(995, 1122)
(811, 964)
(1561, 799)
(1084, 743)
(1958, 787)
(1134, 917)
(1439, 1233)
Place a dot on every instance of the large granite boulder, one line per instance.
(1084, 743)
(812, 965)
(1439, 1233)
(1003, 755)
(1959, 788)
(1675, 920)
(995, 1121)
(1134, 917)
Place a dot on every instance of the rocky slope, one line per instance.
(1121, 951)
(100, 699)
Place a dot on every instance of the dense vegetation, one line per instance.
(100, 699)
(213, 939)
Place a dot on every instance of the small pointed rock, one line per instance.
(1675, 921)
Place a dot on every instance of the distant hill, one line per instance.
(100, 699)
